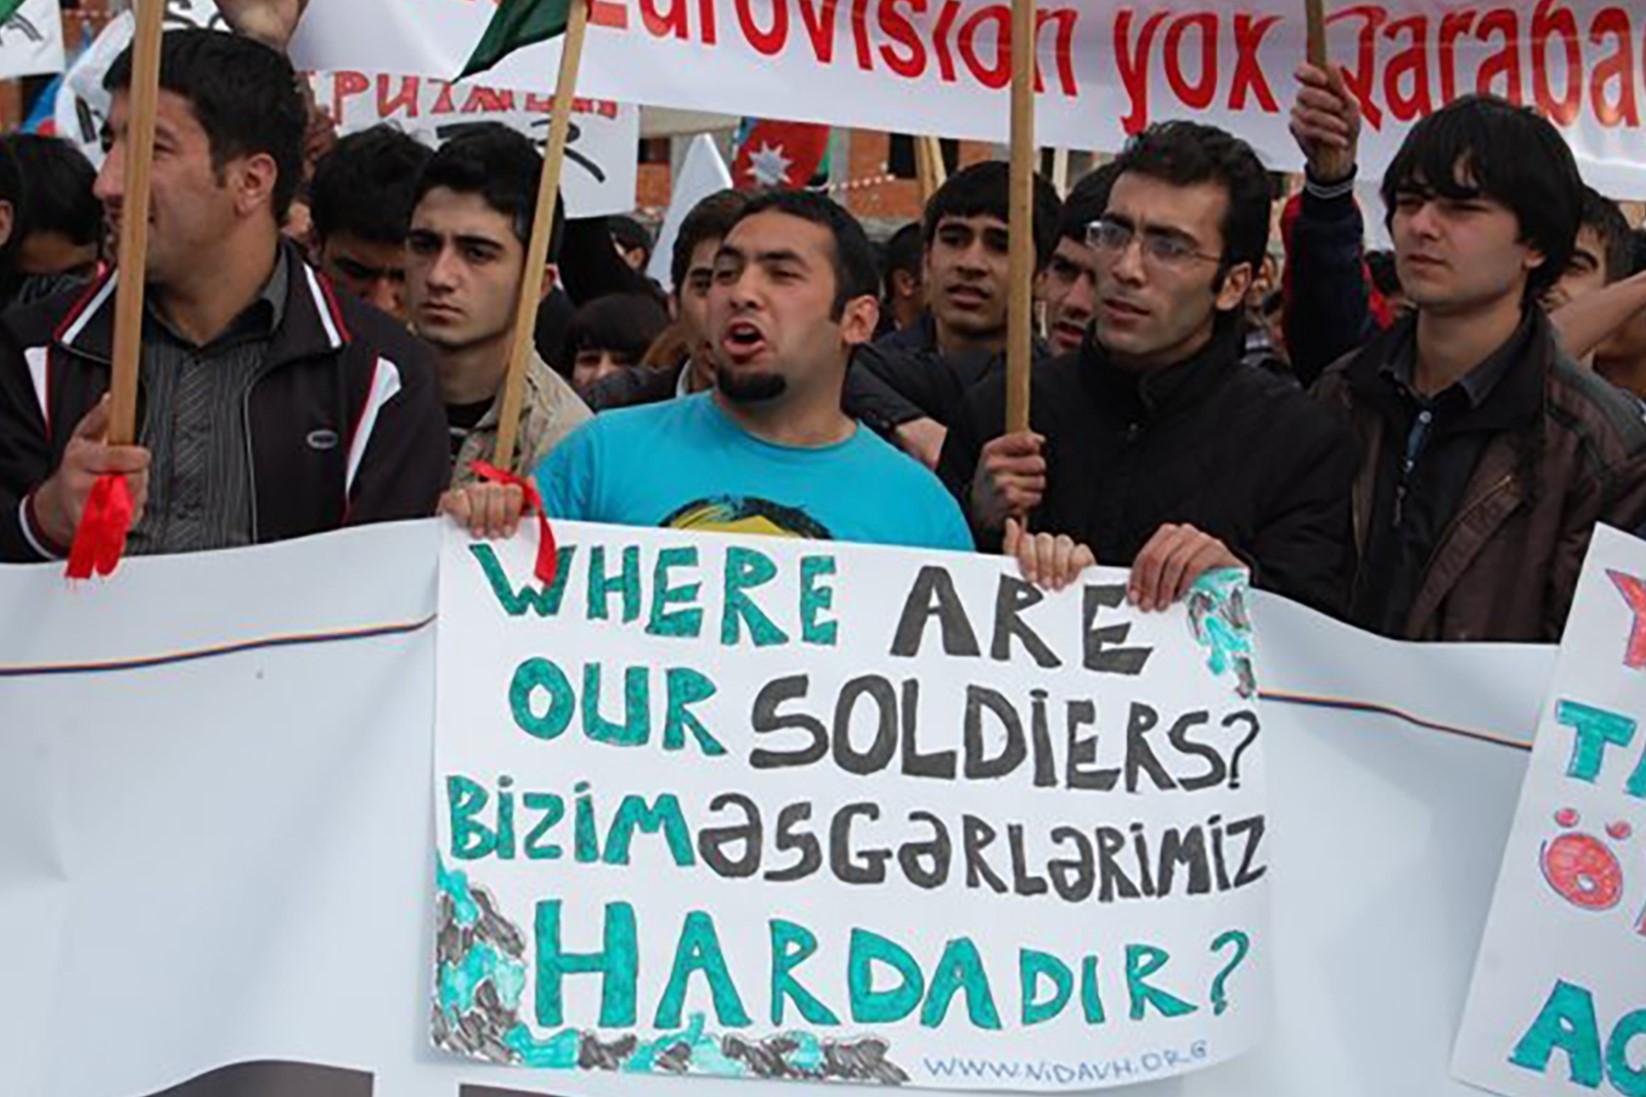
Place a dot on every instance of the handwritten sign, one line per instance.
(1558, 1004)
(776, 809)
(601, 162)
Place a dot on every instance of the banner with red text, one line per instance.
(601, 162)
(1106, 68)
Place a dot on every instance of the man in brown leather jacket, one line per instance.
(1487, 455)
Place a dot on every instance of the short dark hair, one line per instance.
(984, 190)
(1637, 241)
(1185, 154)
(1086, 202)
(625, 322)
(630, 234)
(57, 188)
(855, 274)
(1604, 216)
(711, 219)
(1480, 145)
(364, 185)
(503, 167)
(903, 251)
(244, 95)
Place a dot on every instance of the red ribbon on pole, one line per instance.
(100, 539)
(548, 553)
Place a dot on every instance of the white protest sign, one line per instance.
(31, 41)
(1558, 1004)
(602, 151)
(1106, 68)
(601, 157)
(763, 808)
(82, 104)
(214, 842)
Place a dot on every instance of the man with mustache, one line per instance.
(1154, 445)
(270, 406)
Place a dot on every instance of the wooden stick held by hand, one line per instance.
(1020, 224)
(143, 101)
(1315, 12)
(537, 251)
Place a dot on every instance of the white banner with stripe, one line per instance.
(215, 845)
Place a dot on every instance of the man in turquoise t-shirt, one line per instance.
(692, 464)
(769, 450)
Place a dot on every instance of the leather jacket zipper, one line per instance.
(1481, 500)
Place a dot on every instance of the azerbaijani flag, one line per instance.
(515, 25)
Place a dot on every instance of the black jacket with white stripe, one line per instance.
(344, 423)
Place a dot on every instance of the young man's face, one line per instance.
(770, 311)
(1586, 272)
(1069, 289)
(966, 277)
(193, 206)
(593, 364)
(1458, 255)
(1158, 296)
(371, 270)
(463, 269)
(692, 297)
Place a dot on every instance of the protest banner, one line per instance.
(838, 812)
(1558, 1002)
(31, 38)
(1106, 69)
(601, 165)
(215, 862)
(600, 156)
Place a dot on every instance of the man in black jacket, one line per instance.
(268, 407)
(1153, 444)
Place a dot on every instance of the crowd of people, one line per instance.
(1419, 442)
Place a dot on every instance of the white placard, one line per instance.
(215, 837)
(1558, 1004)
(602, 150)
(843, 813)
(31, 41)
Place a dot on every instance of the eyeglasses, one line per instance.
(1159, 249)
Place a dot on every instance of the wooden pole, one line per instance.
(1060, 172)
(1315, 12)
(929, 166)
(923, 170)
(537, 251)
(1020, 225)
(143, 101)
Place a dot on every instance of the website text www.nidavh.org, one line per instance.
(1086, 1072)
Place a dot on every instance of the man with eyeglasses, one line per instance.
(1153, 445)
